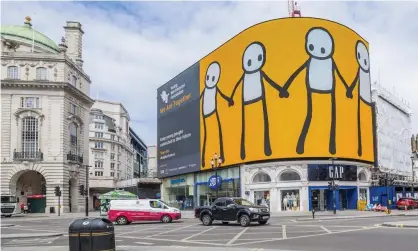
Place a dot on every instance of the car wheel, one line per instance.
(262, 222)
(225, 222)
(122, 220)
(244, 220)
(206, 220)
(166, 219)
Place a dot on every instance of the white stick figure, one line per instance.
(253, 89)
(363, 80)
(209, 104)
(320, 78)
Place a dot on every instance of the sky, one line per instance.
(131, 48)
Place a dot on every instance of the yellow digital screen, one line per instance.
(287, 89)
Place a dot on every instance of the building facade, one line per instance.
(152, 159)
(140, 166)
(45, 107)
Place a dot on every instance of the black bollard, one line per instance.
(313, 213)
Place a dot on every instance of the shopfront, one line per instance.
(178, 191)
(208, 186)
(346, 192)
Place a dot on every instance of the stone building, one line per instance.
(45, 108)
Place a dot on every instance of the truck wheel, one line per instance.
(225, 222)
(166, 219)
(206, 220)
(122, 220)
(244, 220)
(262, 222)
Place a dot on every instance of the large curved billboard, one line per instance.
(292, 88)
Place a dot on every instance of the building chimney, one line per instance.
(74, 39)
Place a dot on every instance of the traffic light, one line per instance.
(81, 190)
(57, 191)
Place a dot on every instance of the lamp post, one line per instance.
(333, 186)
(216, 163)
(413, 176)
(86, 193)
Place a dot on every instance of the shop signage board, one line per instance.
(215, 182)
(177, 181)
(235, 103)
(328, 172)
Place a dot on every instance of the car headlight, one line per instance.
(254, 210)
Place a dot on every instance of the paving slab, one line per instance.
(29, 235)
(401, 224)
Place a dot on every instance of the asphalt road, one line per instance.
(280, 233)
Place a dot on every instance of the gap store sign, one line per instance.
(328, 172)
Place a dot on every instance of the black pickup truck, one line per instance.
(232, 209)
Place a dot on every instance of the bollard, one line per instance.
(313, 213)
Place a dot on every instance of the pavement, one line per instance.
(280, 233)
(402, 224)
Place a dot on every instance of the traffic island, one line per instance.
(28, 236)
(402, 224)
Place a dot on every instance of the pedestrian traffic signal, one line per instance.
(57, 191)
(81, 190)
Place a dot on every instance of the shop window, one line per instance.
(289, 176)
(262, 198)
(261, 177)
(290, 200)
(362, 177)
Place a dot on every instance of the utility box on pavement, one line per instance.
(91, 234)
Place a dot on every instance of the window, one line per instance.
(98, 144)
(41, 73)
(98, 155)
(29, 102)
(112, 156)
(73, 109)
(229, 202)
(220, 203)
(155, 204)
(98, 116)
(98, 134)
(112, 166)
(74, 81)
(73, 138)
(12, 72)
(112, 174)
(98, 164)
(98, 173)
(261, 177)
(113, 147)
(112, 137)
(289, 175)
(98, 125)
(29, 137)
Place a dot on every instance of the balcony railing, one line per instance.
(72, 157)
(20, 156)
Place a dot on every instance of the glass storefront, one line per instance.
(290, 200)
(363, 194)
(179, 192)
(262, 198)
(229, 186)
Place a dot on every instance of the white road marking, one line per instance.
(139, 230)
(284, 235)
(237, 236)
(326, 230)
(188, 241)
(144, 243)
(169, 231)
(207, 230)
(38, 230)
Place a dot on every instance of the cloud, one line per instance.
(131, 48)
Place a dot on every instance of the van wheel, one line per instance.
(244, 220)
(122, 220)
(206, 220)
(166, 219)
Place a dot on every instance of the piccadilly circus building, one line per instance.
(283, 114)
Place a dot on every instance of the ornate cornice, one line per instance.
(76, 119)
(24, 112)
(22, 84)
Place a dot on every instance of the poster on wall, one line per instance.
(178, 124)
(253, 100)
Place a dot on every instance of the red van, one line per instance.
(126, 211)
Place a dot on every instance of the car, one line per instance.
(227, 210)
(126, 211)
(407, 203)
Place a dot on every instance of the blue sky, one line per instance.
(131, 48)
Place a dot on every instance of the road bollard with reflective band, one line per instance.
(94, 234)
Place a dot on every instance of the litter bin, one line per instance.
(91, 234)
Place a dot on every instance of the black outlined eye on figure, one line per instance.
(253, 89)
(209, 105)
(320, 68)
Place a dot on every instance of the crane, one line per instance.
(294, 9)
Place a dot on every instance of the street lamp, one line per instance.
(413, 178)
(333, 186)
(86, 193)
(216, 163)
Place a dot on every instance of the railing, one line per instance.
(28, 155)
(71, 157)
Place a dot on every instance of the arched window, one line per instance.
(30, 136)
(73, 138)
(289, 175)
(12, 72)
(362, 177)
(261, 177)
(41, 73)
